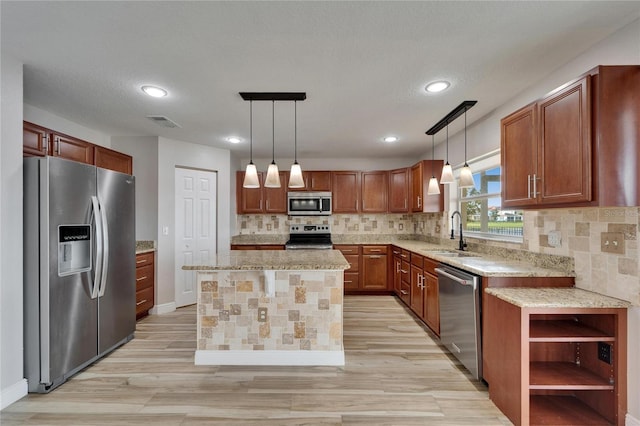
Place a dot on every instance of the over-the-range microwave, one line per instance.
(309, 203)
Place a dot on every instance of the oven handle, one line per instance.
(454, 277)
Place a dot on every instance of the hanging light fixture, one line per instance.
(447, 172)
(295, 176)
(251, 174)
(273, 176)
(466, 177)
(434, 188)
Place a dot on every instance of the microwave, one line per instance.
(308, 203)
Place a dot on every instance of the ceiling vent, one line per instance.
(163, 121)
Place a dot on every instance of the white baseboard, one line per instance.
(165, 308)
(631, 421)
(334, 358)
(13, 393)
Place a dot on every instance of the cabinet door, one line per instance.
(375, 187)
(417, 292)
(374, 268)
(112, 160)
(275, 199)
(318, 180)
(346, 193)
(417, 199)
(431, 303)
(352, 275)
(34, 140)
(397, 275)
(71, 148)
(249, 200)
(564, 170)
(399, 190)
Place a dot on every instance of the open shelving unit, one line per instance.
(556, 366)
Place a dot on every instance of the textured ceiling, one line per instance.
(363, 65)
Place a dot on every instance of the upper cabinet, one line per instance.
(40, 141)
(578, 146)
(261, 200)
(346, 192)
(420, 175)
(399, 190)
(374, 192)
(316, 181)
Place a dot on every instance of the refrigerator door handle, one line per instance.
(105, 251)
(97, 218)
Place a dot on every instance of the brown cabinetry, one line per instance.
(417, 288)
(543, 364)
(375, 190)
(145, 283)
(112, 160)
(577, 146)
(419, 182)
(35, 140)
(396, 265)
(261, 200)
(352, 275)
(346, 191)
(399, 190)
(375, 267)
(71, 148)
(431, 299)
(315, 180)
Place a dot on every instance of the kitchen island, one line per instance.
(270, 308)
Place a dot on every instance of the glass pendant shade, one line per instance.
(273, 176)
(295, 176)
(447, 174)
(434, 188)
(466, 177)
(251, 177)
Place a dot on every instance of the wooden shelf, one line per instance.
(565, 331)
(562, 410)
(564, 375)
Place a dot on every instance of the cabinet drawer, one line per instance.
(404, 254)
(144, 259)
(144, 300)
(405, 292)
(416, 260)
(374, 249)
(354, 261)
(351, 280)
(430, 265)
(348, 249)
(144, 277)
(404, 271)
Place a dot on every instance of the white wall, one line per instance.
(144, 150)
(172, 154)
(59, 124)
(332, 163)
(12, 383)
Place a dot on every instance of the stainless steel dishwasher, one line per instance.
(459, 296)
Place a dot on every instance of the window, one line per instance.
(481, 210)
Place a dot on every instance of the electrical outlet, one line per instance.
(612, 242)
(262, 314)
(604, 352)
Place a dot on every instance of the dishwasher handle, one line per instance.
(455, 278)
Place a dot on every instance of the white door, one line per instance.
(195, 228)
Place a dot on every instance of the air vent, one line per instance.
(163, 121)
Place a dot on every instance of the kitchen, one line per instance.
(155, 158)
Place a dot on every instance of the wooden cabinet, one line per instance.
(399, 190)
(145, 283)
(419, 182)
(546, 149)
(577, 146)
(431, 299)
(35, 140)
(543, 365)
(351, 275)
(346, 191)
(112, 160)
(396, 266)
(405, 278)
(374, 192)
(40, 141)
(375, 267)
(316, 180)
(416, 299)
(261, 200)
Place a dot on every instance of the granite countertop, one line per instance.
(278, 260)
(145, 246)
(555, 298)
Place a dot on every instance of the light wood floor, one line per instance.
(395, 374)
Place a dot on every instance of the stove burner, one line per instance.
(309, 237)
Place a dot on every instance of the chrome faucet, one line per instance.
(462, 244)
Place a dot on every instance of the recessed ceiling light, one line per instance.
(234, 139)
(390, 139)
(154, 91)
(437, 86)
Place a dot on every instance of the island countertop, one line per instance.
(556, 298)
(278, 260)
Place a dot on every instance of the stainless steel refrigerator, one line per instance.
(79, 267)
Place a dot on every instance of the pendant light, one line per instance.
(251, 174)
(295, 176)
(447, 172)
(466, 177)
(434, 188)
(273, 176)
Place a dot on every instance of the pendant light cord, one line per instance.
(433, 150)
(447, 142)
(465, 138)
(273, 132)
(251, 132)
(295, 132)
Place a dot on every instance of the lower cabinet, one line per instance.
(145, 283)
(369, 271)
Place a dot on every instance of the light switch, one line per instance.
(165, 230)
